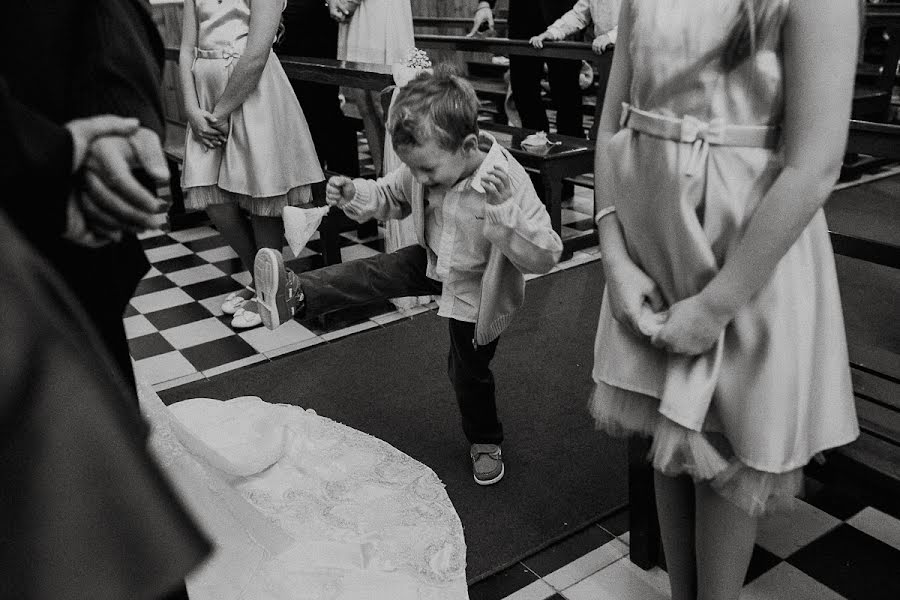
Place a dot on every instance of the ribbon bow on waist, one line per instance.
(700, 135)
(229, 54)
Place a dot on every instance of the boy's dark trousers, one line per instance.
(399, 274)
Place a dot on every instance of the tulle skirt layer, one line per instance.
(705, 456)
(198, 198)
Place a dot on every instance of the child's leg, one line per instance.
(268, 232)
(231, 222)
(725, 537)
(353, 283)
(675, 507)
(469, 369)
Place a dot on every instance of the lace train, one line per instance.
(299, 506)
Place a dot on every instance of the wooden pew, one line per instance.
(875, 81)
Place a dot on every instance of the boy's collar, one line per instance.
(485, 139)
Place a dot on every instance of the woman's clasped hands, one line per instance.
(341, 10)
(209, 129)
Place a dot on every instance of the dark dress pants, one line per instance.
(403, 273)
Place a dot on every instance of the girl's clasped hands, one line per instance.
(341, 10)
(209, 129)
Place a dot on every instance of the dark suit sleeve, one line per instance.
(39, 151)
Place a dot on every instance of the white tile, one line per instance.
(785, 532)
(159, 300)
(626, 538)
(155, 255)
(153, 272)
(784, 582)
(218, 254)
(195, 275)
(389, 317)
(570, 216)
(615, 582)
(244, 278)
(237, 364)
(586, 565)
(149, 234)
(313, 341)
(264, 340)
(879, 525)
(355, 251)
(163, 367)
(137, 326)
(173, 383)
(194, 233)
(339, 333)
(537, 590)
(196, 333)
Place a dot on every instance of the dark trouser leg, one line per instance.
(525, 74)
(358, 282)
(180, 593)
(469, 369)
(566, 94)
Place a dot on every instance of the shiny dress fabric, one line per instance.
(776, 386)
(269, 160)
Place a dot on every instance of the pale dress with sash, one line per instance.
(698, 149)
(269, 160)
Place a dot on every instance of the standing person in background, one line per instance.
(604, 14)
(721, 333)
(248, 146)
(310, 31)
(373, 31)
(529, 18)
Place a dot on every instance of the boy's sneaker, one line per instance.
(487, 463)
(278, 292)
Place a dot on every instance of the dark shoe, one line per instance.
(278, 293)
(487, 463)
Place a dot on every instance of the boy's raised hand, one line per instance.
(496, 185)
(339, 191)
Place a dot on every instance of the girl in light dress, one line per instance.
(721, 333)
(248, 152)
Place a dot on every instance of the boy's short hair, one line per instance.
(441, 106)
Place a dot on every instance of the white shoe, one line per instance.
(247, 318)
(234, 300)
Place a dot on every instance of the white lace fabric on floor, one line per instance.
(301, 507)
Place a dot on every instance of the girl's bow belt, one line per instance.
(700, 134)
(229, 54)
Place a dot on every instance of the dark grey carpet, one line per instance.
(392, 383)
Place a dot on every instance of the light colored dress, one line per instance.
(302, 508)
(269, 160)
(379, 31)
(776, 386)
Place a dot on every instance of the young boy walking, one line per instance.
(473, 246)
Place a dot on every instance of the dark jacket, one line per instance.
(59, 60)
(528, 18)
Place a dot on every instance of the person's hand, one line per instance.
(339, 10)
(538, 40)
(483, 15)
(113, 198)
(692, 327)
(85, 131)
(339, 191)
(201, 124)
(220, 124)
(601, 43)
(496, 185)
(631, 291)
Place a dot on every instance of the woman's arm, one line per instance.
(264, 19)
(820, 46)
(186, 55)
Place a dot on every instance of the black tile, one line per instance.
(130, 311)
(838, 502)
(501, 585)
(563, 552)
(178, 315)
(218, 352)
(211, 287)
(145, 346)
(153, 284)
(761, 562)
(182, 262)
(231, 266)
(616, 524)
(157, 241)
(852, 563)
(377, 244)
(207, 243)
